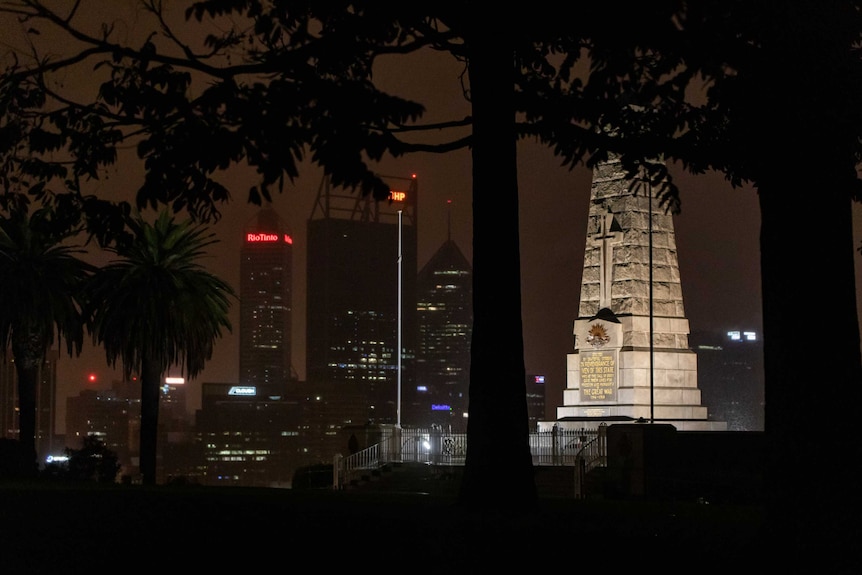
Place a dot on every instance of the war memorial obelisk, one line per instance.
(614, 374)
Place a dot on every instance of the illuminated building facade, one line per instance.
(535, 400)
(265, 301)
(172, 403)
(112, 417)
(46, 398)
(445, 328)
(353, 314)
(249, 433)
(730, 372)
(246, 438)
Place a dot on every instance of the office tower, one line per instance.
(445, 318)
(246, 432)
(536, 392)
(112, 417)
(46, 398)
(265, 302)
(730, 373)
(172, 403)
(354, 274)
(246, 439)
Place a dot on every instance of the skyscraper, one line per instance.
(111, 418)
(536, 392)
(730, 373)
(46, 398)
(445, 319)
(354, 322)
(247, 438)
(265, 301)
(250, 433)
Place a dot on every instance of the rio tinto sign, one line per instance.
(267, 238)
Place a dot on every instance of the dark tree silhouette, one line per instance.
(92, 462)
(618, 78)
(788, 121)
(498, 470)
(767, 94)
(156, 306)
(41, 299)
(315, 94)
(15, 461)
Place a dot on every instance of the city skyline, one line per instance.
(704, 310)
(717, 234)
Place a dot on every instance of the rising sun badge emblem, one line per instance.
(597, 336)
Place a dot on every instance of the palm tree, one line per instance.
(156, 306)
(40, 299)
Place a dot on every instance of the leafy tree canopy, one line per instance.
(273, 85)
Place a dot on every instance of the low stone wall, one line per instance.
(658, 462)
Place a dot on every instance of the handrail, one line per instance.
(592, 455)
(584, 449)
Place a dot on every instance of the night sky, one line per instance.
(716, 233)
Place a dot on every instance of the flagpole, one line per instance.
(398, 408)
(651, 344)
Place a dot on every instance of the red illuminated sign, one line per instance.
(266, 238)
(261, 238)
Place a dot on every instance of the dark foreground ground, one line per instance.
(132, 529)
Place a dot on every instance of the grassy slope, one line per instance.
(92, 529)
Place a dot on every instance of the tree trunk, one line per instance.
(793, 127)
(498, 470)
(150, 380)
(812, 362)
(29, 352)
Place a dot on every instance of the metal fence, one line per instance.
(583, 449)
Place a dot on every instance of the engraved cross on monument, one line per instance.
(609, 235)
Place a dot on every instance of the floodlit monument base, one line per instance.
(589, 423)
(616, 384)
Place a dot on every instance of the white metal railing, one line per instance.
(584, 449)
(566, 446)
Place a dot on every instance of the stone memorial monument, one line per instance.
(631, 360)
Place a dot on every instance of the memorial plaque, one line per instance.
(598, 375)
